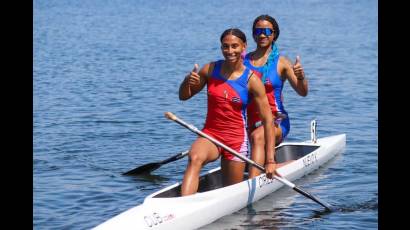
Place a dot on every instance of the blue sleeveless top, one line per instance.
(273, 79)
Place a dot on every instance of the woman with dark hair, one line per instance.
(273, 70)
(230, 86)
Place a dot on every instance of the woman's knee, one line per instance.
(278, 135)
(257, 137)
(196, 158)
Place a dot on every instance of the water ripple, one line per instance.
(104, 73)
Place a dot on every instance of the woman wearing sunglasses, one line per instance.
(230, 84)
(273, 69)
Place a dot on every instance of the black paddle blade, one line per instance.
(144, 169)
(306, 194)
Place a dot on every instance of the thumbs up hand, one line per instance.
(298, 69)
(196, 68)
(193, 76)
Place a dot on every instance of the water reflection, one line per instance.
(148, 178)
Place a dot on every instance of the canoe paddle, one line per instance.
(143, 169)
(172, 117)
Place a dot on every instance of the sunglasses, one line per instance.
(265, 31)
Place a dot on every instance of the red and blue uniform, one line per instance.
(226, 116)
(273, 87)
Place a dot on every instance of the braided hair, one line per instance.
(275, 51)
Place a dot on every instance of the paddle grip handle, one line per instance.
(170, 116)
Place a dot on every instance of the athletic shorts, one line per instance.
(283, 123)
(239, 144)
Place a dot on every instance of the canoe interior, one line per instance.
(213, 180)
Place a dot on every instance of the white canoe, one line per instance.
(165, 209)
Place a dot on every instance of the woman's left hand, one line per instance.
(298, 69)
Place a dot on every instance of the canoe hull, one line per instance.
(202, 208)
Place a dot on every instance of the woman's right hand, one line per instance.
(193, 82)
(193, 77)
(270, 169)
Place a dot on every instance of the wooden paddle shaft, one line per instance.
(172, 117)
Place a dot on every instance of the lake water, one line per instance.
(106, 71)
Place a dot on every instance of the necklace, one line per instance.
(228, 75)
(260, 61)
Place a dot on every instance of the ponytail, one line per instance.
(271, 59)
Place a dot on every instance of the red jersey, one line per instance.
(226, 116)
